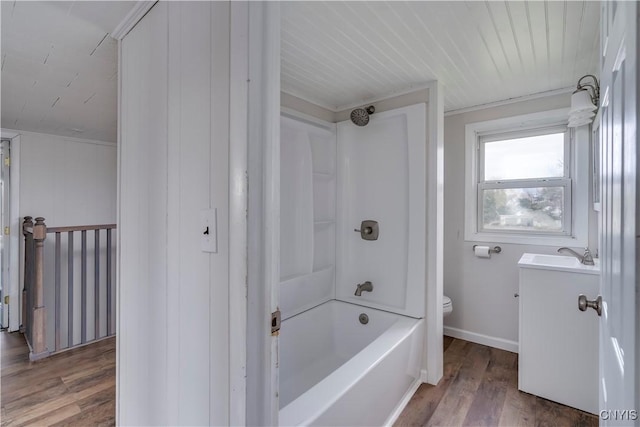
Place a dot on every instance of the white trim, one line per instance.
(510, 101)
(385, 96)
(579, 173)
(434, 359)
(305, 118)
(423, 375)
(15, 312)
(136, 13)
(339, 108)
(331, 108)
(118, 237)
(416, 88)
(487, 340)
(15, 233)
(16, 132)
(238, 199)
(403, 402)
(270, 42)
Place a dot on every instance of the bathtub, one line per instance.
(336, 371)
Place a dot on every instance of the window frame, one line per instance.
(564, 181)
(574, 180)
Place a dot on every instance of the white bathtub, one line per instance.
(336, 371)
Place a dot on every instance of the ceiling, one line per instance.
(59, 67)
(341, 54)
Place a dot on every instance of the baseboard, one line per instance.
(403, 403)
(423, 376)
(500, 343)
(37, 356)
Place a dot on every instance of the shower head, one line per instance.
(360, 116)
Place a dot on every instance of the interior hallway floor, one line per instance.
(480, 388)
(73, 388)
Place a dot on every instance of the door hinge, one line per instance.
(275, 322)
(7, 161)
(6, 299)
(7, 231)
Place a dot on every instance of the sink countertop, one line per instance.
(558, 262)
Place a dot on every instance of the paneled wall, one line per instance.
(174, 364)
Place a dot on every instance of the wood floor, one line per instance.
(74, 388)
(480, 388)
(77, 388)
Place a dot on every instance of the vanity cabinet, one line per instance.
(558, 344)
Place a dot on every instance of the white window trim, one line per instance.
(579, 174)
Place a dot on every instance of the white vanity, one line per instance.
(558, 344)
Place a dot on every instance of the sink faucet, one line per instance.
(585, 259)
(366, 286)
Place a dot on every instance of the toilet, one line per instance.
(447, 306)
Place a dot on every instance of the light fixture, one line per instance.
(584, 102)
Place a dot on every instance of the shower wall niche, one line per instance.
(307, 215)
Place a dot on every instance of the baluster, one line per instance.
(97, 283)
(83, 290)
(39, 344)
(58, 303)
(108, 267)
(70, 256)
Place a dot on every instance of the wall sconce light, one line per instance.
(584, 102)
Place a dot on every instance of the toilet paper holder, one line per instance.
(493, 250)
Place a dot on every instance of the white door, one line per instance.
(619, 278)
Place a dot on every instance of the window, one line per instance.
(524, 183)
(521, 177)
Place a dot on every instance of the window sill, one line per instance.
(522, 239)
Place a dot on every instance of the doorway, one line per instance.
(5, 245)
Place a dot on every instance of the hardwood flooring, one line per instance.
(74, 388)
(77, 388)
(480, 388)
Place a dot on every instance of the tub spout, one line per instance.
(366, 286)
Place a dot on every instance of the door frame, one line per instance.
(15, 232)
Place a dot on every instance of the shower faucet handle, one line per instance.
(369, 230)
(366, 230)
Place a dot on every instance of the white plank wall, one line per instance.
(174, 366)
(337, 54)
(142, 387)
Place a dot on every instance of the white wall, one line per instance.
(68, 181)
(484, 307)
(173, 324)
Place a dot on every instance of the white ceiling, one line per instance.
(59, 67)
(340, 54)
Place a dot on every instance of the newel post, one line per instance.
(27, 224)
(39, 343)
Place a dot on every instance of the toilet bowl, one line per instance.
(447, 306)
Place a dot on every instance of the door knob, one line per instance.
(584, 303)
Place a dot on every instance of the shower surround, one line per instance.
(335, 367)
